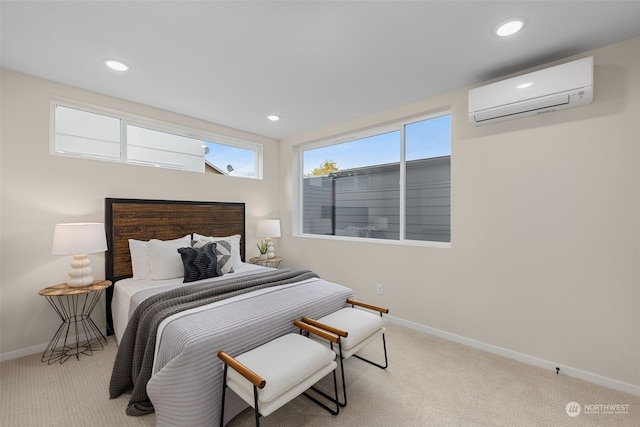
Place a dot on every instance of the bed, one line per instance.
(236, 312)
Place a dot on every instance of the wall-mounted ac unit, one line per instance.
(563, 86)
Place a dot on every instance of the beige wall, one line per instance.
(544, 261)
(545, 253)
(40, 190)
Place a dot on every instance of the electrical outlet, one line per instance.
(380, 289)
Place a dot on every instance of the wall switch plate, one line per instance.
(380, 289)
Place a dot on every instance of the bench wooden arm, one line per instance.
(254, 378)
(326, 327)
(369, 306)
(317, 330)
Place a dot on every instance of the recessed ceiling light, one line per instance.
(510, 27)
(116, 65)
(273, 117)
(524, 85)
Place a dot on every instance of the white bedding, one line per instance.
(125, 289)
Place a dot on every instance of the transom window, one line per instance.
(112, 136)
(393, 183)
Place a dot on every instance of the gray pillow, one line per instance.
(223, 250)
(200, 263)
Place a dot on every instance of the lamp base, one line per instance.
(80, 272)
(271, 250)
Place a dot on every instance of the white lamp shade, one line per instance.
(268, 228)
(79, 238)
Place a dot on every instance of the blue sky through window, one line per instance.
(424, 139)
(241, 160)
(428, 138)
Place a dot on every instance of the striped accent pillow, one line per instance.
(223, 250)
(225, 262)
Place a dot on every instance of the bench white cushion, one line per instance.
(362, 327)
(289, 364)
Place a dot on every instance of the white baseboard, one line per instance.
(38, 349)
(23, 352)
(545, 364)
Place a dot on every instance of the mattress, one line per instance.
(127, 293)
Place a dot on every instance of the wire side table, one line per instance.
(269, 262)
(77, 334)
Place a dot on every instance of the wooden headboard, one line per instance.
(143, 219)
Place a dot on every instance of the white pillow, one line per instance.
(165, 261)
(140, 263)
(139, 259)
(233, 240)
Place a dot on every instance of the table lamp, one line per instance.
(79, 240)
(268, 228)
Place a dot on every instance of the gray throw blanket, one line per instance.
(133, 366)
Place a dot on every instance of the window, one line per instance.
(236, 161)
(88, 134)
(161, 149)
(117, 137)
(393, 183)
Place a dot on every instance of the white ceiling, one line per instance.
(315, 63)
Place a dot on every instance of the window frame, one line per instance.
(127, 119)
(298, 168)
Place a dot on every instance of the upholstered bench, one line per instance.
(357, 327)
(273, 374)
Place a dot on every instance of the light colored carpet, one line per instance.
(430, 382)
